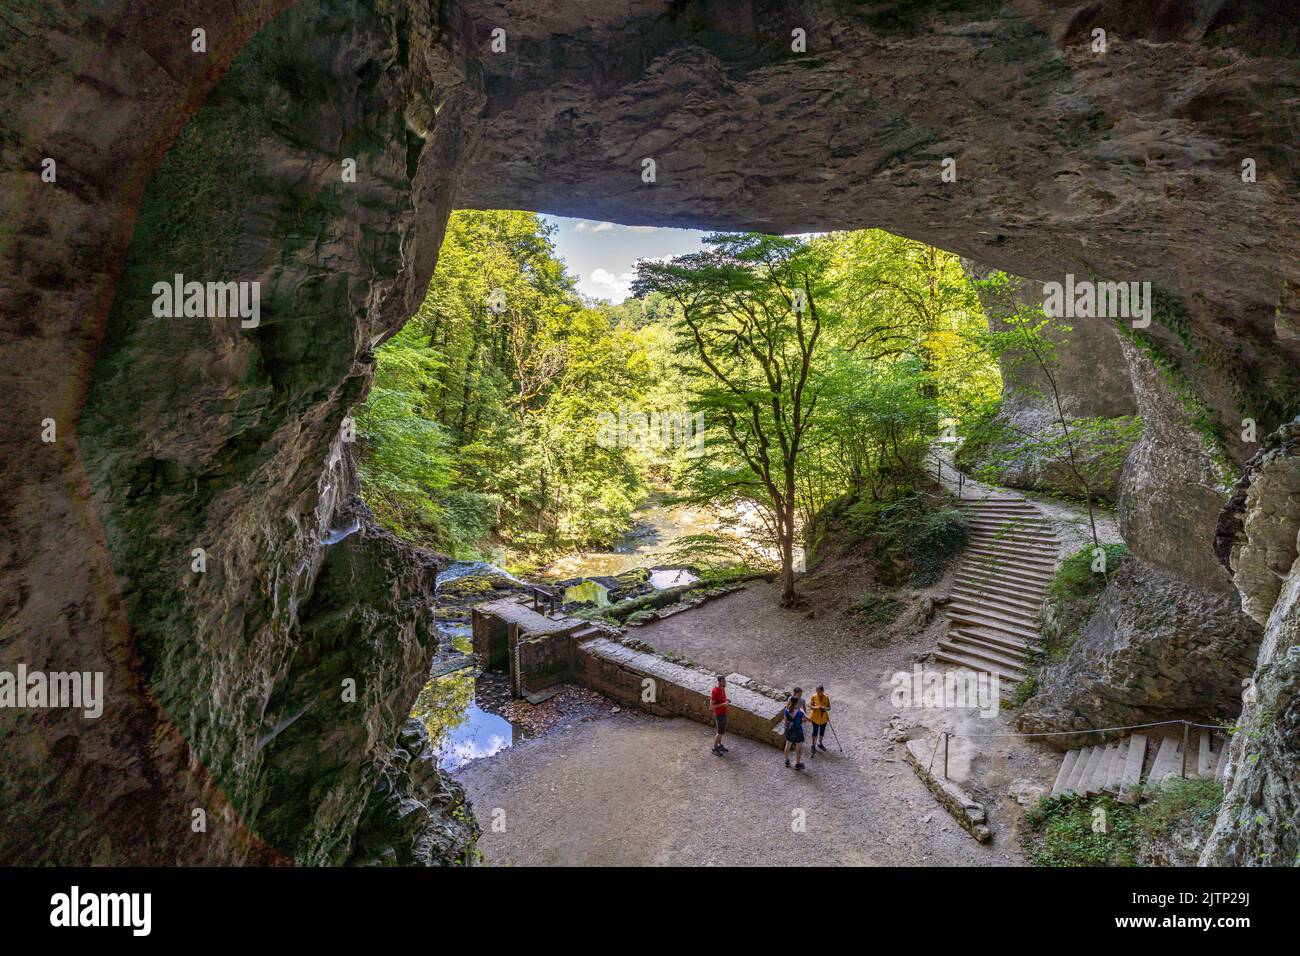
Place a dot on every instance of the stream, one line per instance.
(460, 729)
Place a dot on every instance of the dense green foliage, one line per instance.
(482, 426)
(512, 418)
(912, 538)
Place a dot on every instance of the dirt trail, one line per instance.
(631, 789)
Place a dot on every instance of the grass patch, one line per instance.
(1099, 831)
(1065, 832)
(1076, 579)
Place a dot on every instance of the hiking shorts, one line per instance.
(819, 730)
(720, 720)
(794, 734)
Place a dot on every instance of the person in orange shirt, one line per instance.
(819, 714)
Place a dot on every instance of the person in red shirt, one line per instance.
(718, 697)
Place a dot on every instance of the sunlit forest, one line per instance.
(508, 418)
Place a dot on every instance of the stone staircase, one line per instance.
(995, 602)
(1116, 768)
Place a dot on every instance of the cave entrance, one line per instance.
(539, 418)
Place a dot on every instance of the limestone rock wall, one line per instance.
(225, 688)
(1259, 541)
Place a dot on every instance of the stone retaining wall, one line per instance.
(621, 672)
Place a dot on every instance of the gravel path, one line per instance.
(627, 788)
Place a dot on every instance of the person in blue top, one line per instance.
(794, 715)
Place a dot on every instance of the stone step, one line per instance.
(1063, 774)
(978, 553)
(997, 639)
(1096, 783)
(1071, 783)
(1039, 561)
(997, 519)
(1130, 783)
(984, 654)
(977, 664)
(979, 504)
(1005, 514)
(996, 545)
(1020, 654)
(1011, 535)
(1032, 590)
(1081, 769)
(1017, 617)
(992, 622)
(1169, 762)
(1016, 601)
(1005, 572)
(1116, 772)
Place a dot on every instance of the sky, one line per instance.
(602, 254)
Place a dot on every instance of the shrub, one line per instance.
(912, 538)
(1076, 579)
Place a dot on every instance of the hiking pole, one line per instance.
(835, 735)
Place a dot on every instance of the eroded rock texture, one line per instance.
(1169, 639)
(1084, 370)
(1259, 541)
(176, 433)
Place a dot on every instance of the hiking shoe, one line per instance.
(787, 761)
(822, 746)
(723, 749)
(798, 766)
(719, 751)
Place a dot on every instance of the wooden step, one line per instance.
(1130, 784)
(1063, 774)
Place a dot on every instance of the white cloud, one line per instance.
(610, 286)
(586, 225)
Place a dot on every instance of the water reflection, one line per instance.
(671, 578)
(459, 730)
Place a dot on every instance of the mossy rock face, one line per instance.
(588, 592)
(630, 580)
(476, 586)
